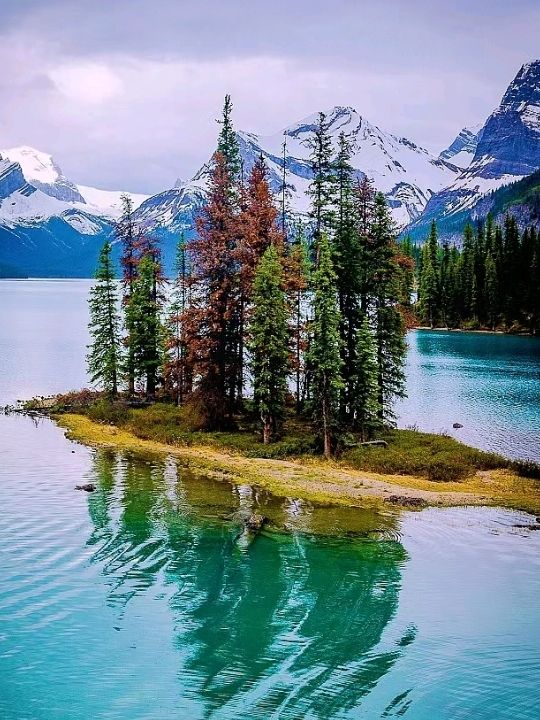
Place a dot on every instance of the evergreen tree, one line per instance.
(324, 351)
(211, 320)
(491, 290)
(177, 376)
(143, 318)
(127, 233)
(257, 229)
(297, 284)
(269, 343)
(104, 353)
(429, 279)
(347, 266)
(390, 328)
(322, 189)
(228, 145)
(366, 410)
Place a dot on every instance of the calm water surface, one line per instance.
(144, 600)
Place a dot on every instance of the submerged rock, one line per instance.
(87, 487)
(405, 501)
(255, 522)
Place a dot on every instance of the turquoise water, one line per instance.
(490, 384)
(145, 600)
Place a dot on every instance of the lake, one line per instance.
(144, 599)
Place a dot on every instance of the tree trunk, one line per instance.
(267, 429)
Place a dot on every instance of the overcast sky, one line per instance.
(124, 93)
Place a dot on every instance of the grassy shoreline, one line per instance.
(312, 478)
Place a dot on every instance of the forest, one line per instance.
(491, 282)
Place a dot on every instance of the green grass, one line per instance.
(435, 457)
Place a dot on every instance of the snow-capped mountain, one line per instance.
(508, 149)
(49, 225)
(40, 172)
(407, 173)
(461, 151)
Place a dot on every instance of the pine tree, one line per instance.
(324, 351)
(429, 279)
(269, 343)
(127, 233)
(177, 376)
(143, 317)
(347, 265)
(298, 270)
(491, 290)
(390, 329)
(322, 189)
(366, 410)
(104, 353)
(284, 191)
(364, 201)
(211, 320)
(228, 144)
(257, 229)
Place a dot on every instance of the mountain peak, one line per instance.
(524, 88)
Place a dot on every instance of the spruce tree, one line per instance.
(212, 322)
(104, 353)
(347, 265)
(322, 189)
(127, 232)
(176, 372)
(228, 144)
(429, 279)
(143, 316)
(365, 405)
(297, 281)
(389, 325)
(325, 351)
(269, 343)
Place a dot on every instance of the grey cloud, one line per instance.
(421, 69)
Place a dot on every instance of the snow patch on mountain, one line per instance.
(461, 151)
(407, 173)
(43, 173)
(108, 202)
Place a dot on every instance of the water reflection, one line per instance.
(288, 625)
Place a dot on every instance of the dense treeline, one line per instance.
(492, 282)
(306, 314)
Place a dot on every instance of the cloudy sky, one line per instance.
(125, 94)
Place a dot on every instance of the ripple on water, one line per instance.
(137, 601)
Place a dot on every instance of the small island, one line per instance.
(276, 352)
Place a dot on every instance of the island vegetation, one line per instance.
(280, 342)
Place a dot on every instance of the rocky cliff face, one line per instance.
(507, 150)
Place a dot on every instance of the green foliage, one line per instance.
(269, 343)
(228, 142)
(364, 399)
(104, 354)
(435, 457)
(143, 322)
(322, 189)
(494, 282)
(324, 352)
